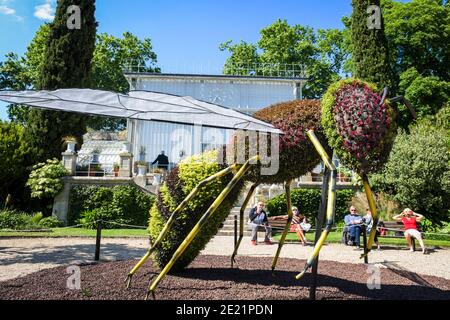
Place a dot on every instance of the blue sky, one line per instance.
(185, 34)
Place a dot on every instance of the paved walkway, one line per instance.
(19, 257)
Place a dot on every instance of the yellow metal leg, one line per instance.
(287, 226)
(199, 225)
(241, 221)
(330, 203)
(373, 210)
(173, 216)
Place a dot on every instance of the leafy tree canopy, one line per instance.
(320, 52)
(13, 160)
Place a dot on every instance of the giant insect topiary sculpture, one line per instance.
(359, 125)
(199, 192)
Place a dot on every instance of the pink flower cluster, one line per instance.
(362, 121)
(293, 134)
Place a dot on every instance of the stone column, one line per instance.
(126, 165)
(61, 202)
(69, 160)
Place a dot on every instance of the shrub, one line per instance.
(180, 183)
(51, 222)
(119, 204)
(359, 128)
(45, 179)
(37, 218)
(308, 201)
(386, 207)
(417, 174)
(89, 218)
(16, 220)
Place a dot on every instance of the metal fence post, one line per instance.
(97, 243)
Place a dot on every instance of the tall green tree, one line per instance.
(418, 34)
(113, 56)
(281, 46)
(370, 48)
(67, 64)
(244, 59)
(12, 73)
(13, 163)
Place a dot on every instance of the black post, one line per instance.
(319, 224)
(413, 243)
(97, 243)
(364, 231)
(235, 230)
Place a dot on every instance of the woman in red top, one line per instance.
(410, 219)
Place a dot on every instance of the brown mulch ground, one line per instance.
(211, 278)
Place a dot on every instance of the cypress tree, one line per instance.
(370, 47)
(67, 64)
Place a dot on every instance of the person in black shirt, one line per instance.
(162, 160)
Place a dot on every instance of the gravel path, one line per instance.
(19, 257)
(209, 277)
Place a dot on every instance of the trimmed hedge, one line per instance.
(180, 182)
(308, 201)
(358, 127)
(119, 204)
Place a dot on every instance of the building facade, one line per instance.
(246, 94)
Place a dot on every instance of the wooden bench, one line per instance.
(277, 225)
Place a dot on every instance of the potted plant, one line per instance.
(157, 176)
(116, 169)
(142, 167)
(71, 142)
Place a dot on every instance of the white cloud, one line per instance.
(6, 9)
(45, 11)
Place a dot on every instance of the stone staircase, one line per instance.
(228, 224)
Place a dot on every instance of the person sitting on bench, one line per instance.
(354, 222)
(410, 219)
(258, 218)
(368, 221)
(299, 224)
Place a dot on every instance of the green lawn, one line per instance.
(77, 232)
(335, 237)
